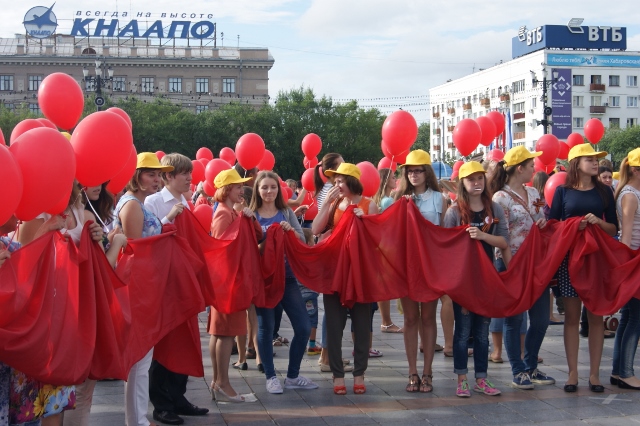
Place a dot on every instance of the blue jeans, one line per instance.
(626, 343)
(464, 323)
(294, 306)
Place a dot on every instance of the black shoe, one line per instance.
(624, 385)
(192, 410)
(584, 332)
(596, 388)
(240, 366)
(571, 388)
(614, 380)
(234, 349)
(261, 368)
(167, 417)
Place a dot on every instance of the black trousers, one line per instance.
(166, 388)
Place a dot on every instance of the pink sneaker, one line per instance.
(486, 387)
(463, 389)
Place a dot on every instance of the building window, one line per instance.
(578, 80)
(519, 107)
(146, 84)
(614, 80)
(578, 101)
(614, 101)
(202, 85)
(119, 84)
(534, 103)
(201, 108)
(458, 103)
(632, 80)
(175, 84)
(518, 86)
(228, 85)
(35, 108)
(578, 122)
(493, 93)
(6, 82)
(632, 101)
(596, 79)
(632, 122)
(614, 122)
(596, 100)
(34, 82)
(10, 107)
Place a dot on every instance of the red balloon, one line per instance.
(574, 139)
(45, 182)
(312, 212)
(488, 129)
(23, 127)
(228, 155)
(249, 150)
(400, 158)
(102, 143)
(307, 180)
(2, 141)
(322, 175)
(310, 163)
(61, 100)
(495, 155)
(119, 181)
(204, 153)
(399, 131)
(197, 175)
(369, 177)
(563, 154)
(209, 189)
(287, 193)
(550, 187)
(268, 161)
(11, 191)
(61, 205)
(204, 214)
(466, 136)
(498, 122)
(454, 175)
(160, 154)
(386, 163)
(311, 145)
(204, 161)
(47, 123)
(549, 145)
(214, 167)
(457, 165)
(122, 113)
(593, 130)
(539, 166)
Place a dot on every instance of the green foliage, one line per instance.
(618, 142)
(9, 118)
(424, 137)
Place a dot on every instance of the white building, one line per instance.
(582, 81)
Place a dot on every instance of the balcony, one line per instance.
(518, 135)
(593, 87)
(436, 115)
(505, 97)
(451, 128)
(597, 109)
(436, 147)
(451, 111)
(436, 131)
(518, 116)
(485, 102)
(466, 107)
(450, 145)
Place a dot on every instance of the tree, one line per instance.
(424, 137)
(9, 118)
(618, 142)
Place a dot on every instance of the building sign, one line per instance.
(99, 26)
(568, 37)
(585, 60)
(561, 104)
(40, 22)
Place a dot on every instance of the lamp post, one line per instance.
(547, 110)
(99, 80)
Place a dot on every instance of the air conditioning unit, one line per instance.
(606, 104)
(531, 110)
(534, 123)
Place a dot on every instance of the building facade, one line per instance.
(553, 78)
(196, 77)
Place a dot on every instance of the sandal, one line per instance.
(391, 328)
(359, 389)
(339, 390)
(426, 385)
(414, 383)
(277, 342)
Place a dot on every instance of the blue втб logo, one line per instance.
(40, 21)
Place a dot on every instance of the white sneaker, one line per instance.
(273, 385)
(299, 382)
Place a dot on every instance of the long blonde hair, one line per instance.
(625, 176)
(384, 184)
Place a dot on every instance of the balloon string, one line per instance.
(92, 209)
(14, 233)
(245, 173)
(386, 178)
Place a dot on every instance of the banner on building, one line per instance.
(561, 103)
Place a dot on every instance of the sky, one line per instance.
(385, 54)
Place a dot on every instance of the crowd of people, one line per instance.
(494, 200)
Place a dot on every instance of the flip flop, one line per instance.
(496, 360)
(391, 328)
(556, 322)
(448, 354)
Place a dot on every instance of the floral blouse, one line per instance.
(519, 218)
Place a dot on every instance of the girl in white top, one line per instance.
(420, 184)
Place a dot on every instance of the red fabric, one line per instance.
(272, 263)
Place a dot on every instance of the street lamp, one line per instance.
(99, 80)
(547, 110)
